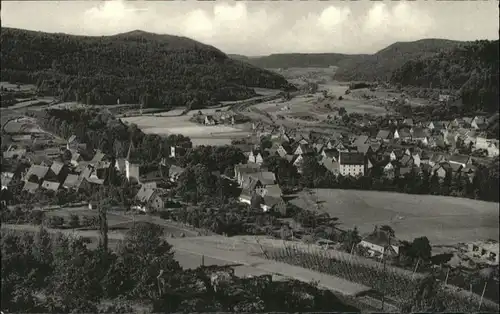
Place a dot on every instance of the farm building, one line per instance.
(149, 199)
(487, 251)
(378, 242)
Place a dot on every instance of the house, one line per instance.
(76, 158)
(331, 165)
(269, 202)
(6, 179)
(297, 162)
(389, 169)
(50, 185)
(481, 143)
(351, 164)
(379, 243)
(486, 251)
(318, 147)
(408, 122)
(255, 157)
(436, 126)
(419, 135)
(149, 199)
(396, 154)
(492, 149)
(436, 159)
(404, 171)
(174, 172)
(30, 187)
(241, 169)
(98, 157)
(284, 149)
(383, 135)
(404, 134)
(361, 143)
(72, 181)
(264, 177)
(464, 161)
(209, 120)
(303, 149)
(417, 160)
(332, 154)
(443, 169)
(406, 161)
(36, 173)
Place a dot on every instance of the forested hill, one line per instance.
(296, 60)
(472, 69)
(379, 66)
(360, 67)
(161, 70)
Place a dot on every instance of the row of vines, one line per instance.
(411, 293)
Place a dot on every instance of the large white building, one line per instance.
(351, 164)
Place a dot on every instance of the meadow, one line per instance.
(443, 220)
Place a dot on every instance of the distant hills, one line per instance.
(159, 70)
(361, 67)
(471, 69)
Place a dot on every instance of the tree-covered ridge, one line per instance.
(170, 70)
(379, 66)
(296, 60)
(472, 69)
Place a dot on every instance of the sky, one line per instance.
(260, 28)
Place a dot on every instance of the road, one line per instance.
(187, 245)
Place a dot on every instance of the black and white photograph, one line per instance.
(249, 156)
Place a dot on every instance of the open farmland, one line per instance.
(443, 220)
(166, 124)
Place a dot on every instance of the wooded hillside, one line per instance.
(472, 69)
(161, 70)
(379, 66)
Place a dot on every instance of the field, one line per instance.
(174, 123)
(444, 220)
(22, 87)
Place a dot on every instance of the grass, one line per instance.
(443, 220)
(169, 123)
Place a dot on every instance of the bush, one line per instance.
(36, 217)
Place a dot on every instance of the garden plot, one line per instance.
(443, 220)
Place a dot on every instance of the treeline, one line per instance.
(472, 69)
(157, 70)
(101, 130)
(43, 273)
(379, 66)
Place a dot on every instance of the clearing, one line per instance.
(443, 220)
(173, 123)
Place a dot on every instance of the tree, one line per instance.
(74, 221)
(421, 249)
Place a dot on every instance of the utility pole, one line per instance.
(384, 271)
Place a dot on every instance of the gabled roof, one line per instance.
(145, 194)
(331, 165)
(404, 170)
(419, 133)
(6, 178)
(380, 238)
(37, 170)
(437, 158)
(455, 167)
(56, 167)
(175, 170)
(72, 181)
(274, 190)
(265, 177)
(31, 187)
(348, 158)
(50, 185)
(404, 132)
(331, 153)
(383, 134)
(360, 140)
(94, 180)
(249, 183)
(270, 201)
(405, 160)
(97, 157)
(398, 152)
